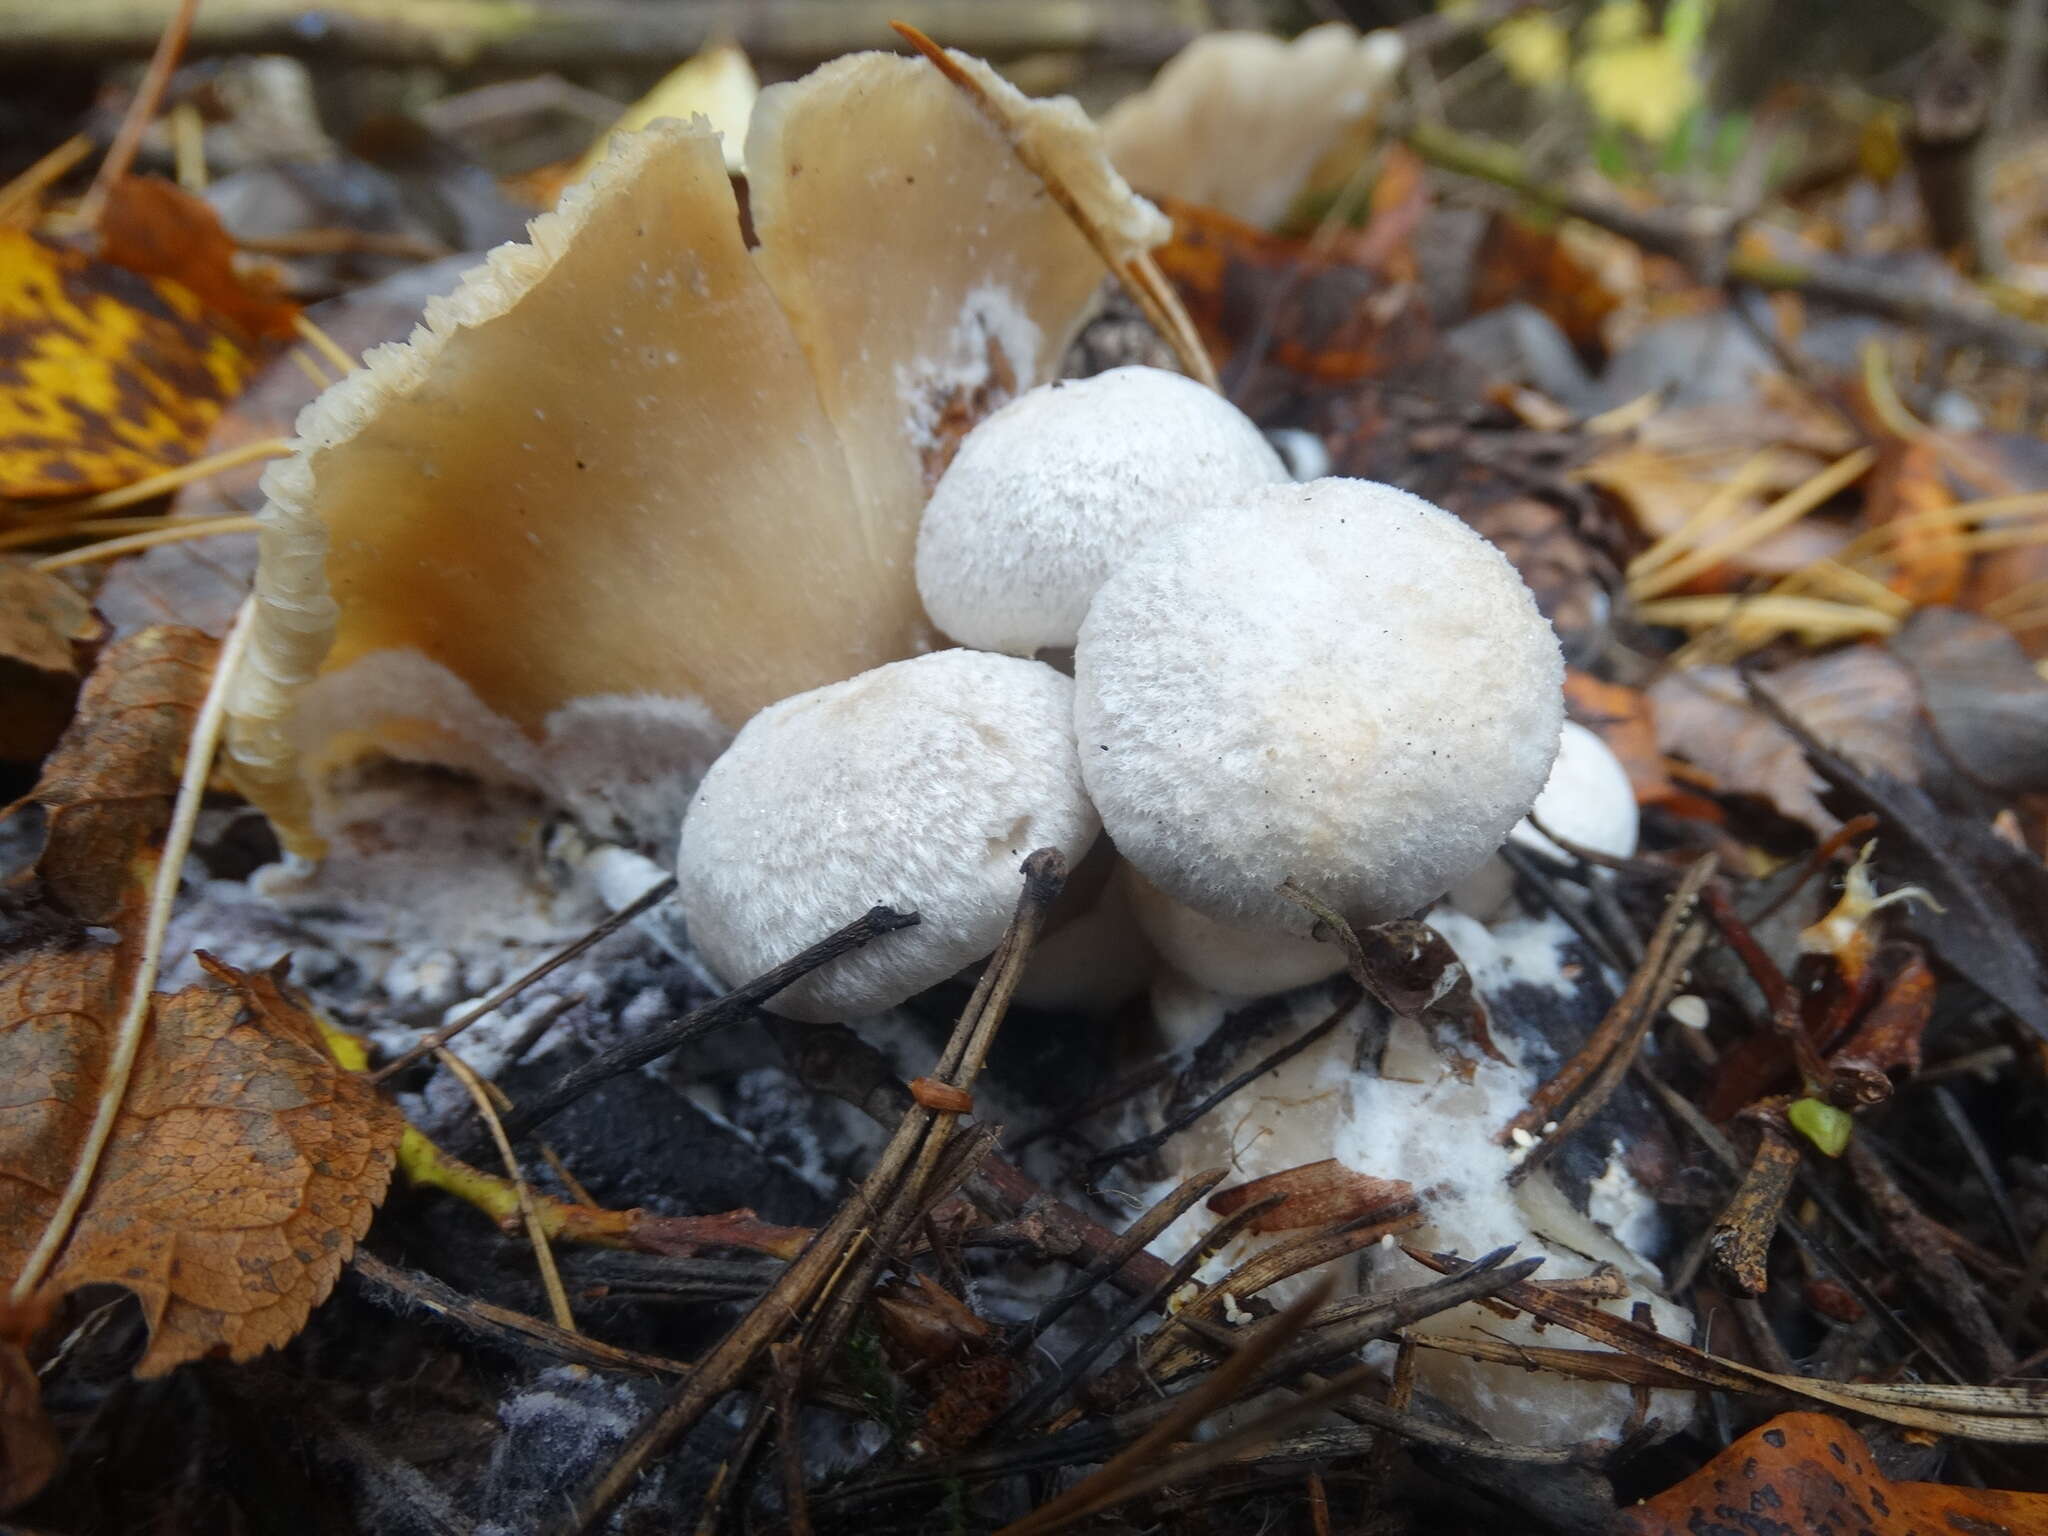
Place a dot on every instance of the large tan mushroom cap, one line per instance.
(632, 481)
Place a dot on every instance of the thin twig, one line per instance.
(1139, 1236)
(536, 1230)
(648, 899)
(832, 1246)
(1592, 1074)
(717, 1014)
(170, 47)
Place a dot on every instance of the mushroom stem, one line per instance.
(1138, 272)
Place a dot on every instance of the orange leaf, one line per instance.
(105, 376)
(243, 1168)
(1905, 482)
(1520, 262)
(1810, 1472)
(45, 624)
(157, 228)
(1334, 317)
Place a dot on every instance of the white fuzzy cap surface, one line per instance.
(920, 785)
(1050, 493)
(1335, 682)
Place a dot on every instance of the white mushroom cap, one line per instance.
(920, 785)
(1587, 799)
(1237, 962)
(1050, 493)
(1336, 683)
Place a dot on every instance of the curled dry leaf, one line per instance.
(1810, 1472)
(45, 625)
(105, 375)
(157, 228)
(1313, 1195)
(1907, 483)
(108, 785)
(1861, 702)
(244, 1166)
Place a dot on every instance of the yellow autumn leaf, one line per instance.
(717, 85)
(105, 375)
(1634, 77)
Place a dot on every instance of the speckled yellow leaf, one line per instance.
(105, 376)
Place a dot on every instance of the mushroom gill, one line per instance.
(632, 481)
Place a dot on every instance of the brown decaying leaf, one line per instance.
(1861, 702)
(1986, 703)
(1520, 262)
(45, 624)
(105, 376)
(1331, 315)
(29, 1448)
(244, 1167)
(1805, 1473)
(1313, 1195)
(158, 229)
(108, 785)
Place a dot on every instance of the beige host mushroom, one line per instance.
(921, 785)
(1334, 683)
(633, 481)
(1240, 121)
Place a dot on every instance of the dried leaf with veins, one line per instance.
(1810, 1472)
(243, 1169)
(1860, 701)
(108, 785)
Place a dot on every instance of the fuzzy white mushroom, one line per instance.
(1050, 493)
(919, 785)
(1586, 800)
(1335, 683)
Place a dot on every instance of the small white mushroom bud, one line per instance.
(1335, 683)
(1586, 800)
(921, 785)
(1049, 494)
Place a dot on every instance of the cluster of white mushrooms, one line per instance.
(1334, 683)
